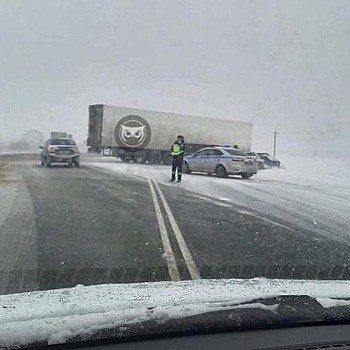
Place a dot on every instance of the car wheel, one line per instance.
(260, 166)
(247, 176)
(221, 171)
(47, 162)
(42, 161)
(186, 168)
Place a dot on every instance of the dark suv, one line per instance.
(60, 150)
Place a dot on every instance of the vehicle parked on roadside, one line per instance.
(261, 161)
(60, 150)
(269, 160)
(222, 161)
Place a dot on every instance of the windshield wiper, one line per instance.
(274, 312)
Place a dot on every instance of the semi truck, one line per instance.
(141, 136)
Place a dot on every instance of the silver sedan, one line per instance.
(222, 161)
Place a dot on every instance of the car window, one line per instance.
(62, 142)
(215, 152)
(235, 152)
(202, 153)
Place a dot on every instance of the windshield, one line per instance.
(62, 142)
(236, 152)
(129, 183)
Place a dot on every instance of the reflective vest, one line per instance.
(176, 150)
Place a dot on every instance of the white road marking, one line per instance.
(264, 219)
(191, 265)
(212, 200)
(168, 251)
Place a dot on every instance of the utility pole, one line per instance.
(274, 142)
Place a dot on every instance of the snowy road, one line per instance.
(113, 222)
(309, 196)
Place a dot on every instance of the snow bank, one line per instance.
(307, 170)
(58, 315)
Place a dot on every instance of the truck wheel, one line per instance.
(247, 176)
(139, 158)
(122, 157)
(185, 168)
(221, 171)
(154, 159)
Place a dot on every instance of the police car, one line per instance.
(222, 161)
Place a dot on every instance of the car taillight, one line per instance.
(237, 159)
(51, 148)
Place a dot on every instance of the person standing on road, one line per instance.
(177, 152)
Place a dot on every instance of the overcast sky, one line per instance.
(280, 64)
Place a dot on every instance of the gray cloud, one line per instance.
(280, 64)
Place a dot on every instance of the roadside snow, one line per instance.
(311, 170)
(298, 170)
(58, 315)
(7, 195)
(9, 183)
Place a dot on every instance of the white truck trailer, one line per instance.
(146, 136)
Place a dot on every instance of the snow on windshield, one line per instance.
(59, 315)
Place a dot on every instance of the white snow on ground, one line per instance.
(310, 193)
(312, 170)
(4, 153)
(57, 315)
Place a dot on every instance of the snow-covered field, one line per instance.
(307, 192)
(312, 170)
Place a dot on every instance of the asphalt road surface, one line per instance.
(60, 227)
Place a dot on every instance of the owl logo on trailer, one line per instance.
(132, 131)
